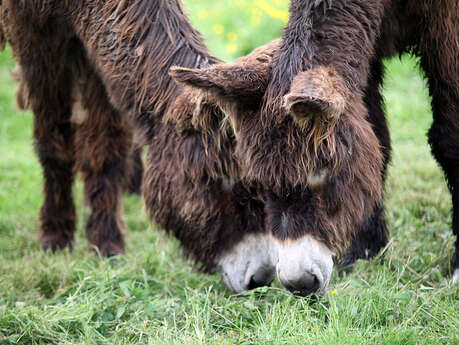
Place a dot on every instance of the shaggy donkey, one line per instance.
(117, 55)
(320, 187)
(193, 186)
(350, 38)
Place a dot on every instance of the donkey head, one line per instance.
(321, 178)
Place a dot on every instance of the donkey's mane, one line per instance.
(164, 41)
(142, 43)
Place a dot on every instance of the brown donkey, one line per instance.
(351, 38)
(319, 186)
(114, 58)
(199, 184)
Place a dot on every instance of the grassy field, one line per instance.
(152, 296)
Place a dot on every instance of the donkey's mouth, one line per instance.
(307, 285)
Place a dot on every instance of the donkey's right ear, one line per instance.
(204, 79)
(238, 82)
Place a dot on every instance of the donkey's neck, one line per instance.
(133, 44)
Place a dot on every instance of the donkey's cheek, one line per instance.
(304, 265)
(249, 264)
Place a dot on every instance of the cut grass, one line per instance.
(152, 296)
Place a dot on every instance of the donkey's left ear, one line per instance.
(240, 82)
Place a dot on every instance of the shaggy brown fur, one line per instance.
(286, 162)
(348, 36)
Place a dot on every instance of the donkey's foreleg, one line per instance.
(54, 144)
(444, 140)
(439, 52)
(43, 50)
(371, 237)
(104, 141)
(55, 148)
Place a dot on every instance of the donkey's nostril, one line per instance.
(264, 276)
(253, 283)
(306, 285)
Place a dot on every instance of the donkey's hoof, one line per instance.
(55, 241)
(111, 249)
(351, 256)
(347, 262)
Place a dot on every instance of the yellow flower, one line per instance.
(271, 11)
(255, 18)
(218, 29)
(231, 47)
(333, 292)
(203, 14)
(231, 36)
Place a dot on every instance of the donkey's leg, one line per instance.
(134, 180)
(373, 234)
(42, 50)
(104, 141)
(439, 52)
(444, 141)
(371, 238)
(54, 144)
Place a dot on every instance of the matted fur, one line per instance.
(317, 99)
(324, 33)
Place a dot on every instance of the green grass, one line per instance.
(153, 296)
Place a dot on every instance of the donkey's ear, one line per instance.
(239, 82)
(316, 92)
(199, 78)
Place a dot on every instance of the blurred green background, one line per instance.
(152, 296)
(235, 27)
